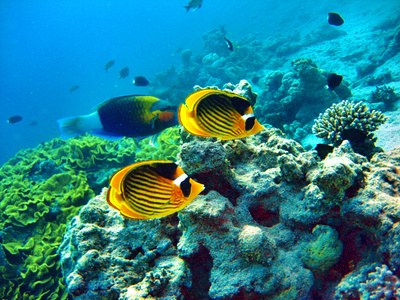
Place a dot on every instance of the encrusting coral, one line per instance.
(346, 115)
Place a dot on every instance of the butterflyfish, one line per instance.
(151, 189)
(335, 19)
(215, 113)
(134, 116)
(334, 80)
(141, 81)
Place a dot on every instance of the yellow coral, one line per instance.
(346, 115)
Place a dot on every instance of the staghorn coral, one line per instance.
(346, 115)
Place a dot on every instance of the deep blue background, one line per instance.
(48, 46)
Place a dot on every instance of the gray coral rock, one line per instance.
(103, 254)
(245, 259)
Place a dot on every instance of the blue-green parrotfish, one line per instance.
(135, 116)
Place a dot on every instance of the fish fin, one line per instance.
(106, 135)
(187, 7)
(70, 127)
(153, 140)
(100, 105)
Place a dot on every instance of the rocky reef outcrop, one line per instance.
(275, 222)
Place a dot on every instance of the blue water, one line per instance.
(46, 47)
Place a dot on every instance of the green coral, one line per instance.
(325, 251)
(346, 115)
(385, 94)
(167, 149)
(41, 190)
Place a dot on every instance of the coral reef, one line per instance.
(346, 115)
(167, 146)
(42, 189)
(104, 256)
(385, 95)
(297, 95)
(273, 223)
(370, 282)
(325, 251)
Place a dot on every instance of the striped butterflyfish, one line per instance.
(151, 189)
(215, 113)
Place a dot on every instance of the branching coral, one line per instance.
(346, 115)
(385, 94)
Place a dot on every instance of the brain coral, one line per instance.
(346, 115)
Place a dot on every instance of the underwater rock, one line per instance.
(274, 221)
(297, 95)
(103, 254)
(210, 225)
(243, 88)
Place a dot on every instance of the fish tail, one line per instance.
(74, 126)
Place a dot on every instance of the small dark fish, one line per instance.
(229, 44)
(33, 123)
(140, 81)
(255, 79)
(132, 116)
(335, 19)
(14, 119)
(354, 135)
(193, 4)
(334, 81)
(124, 73)
(323, 150)
(109, 64)
(74, 88)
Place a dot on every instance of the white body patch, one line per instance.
(180, 179)
(245, 117)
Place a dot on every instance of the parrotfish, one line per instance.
(109, 64)
(193, 4)
(134, 116)
(151, 189)
(215, 113)
(124, 73)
